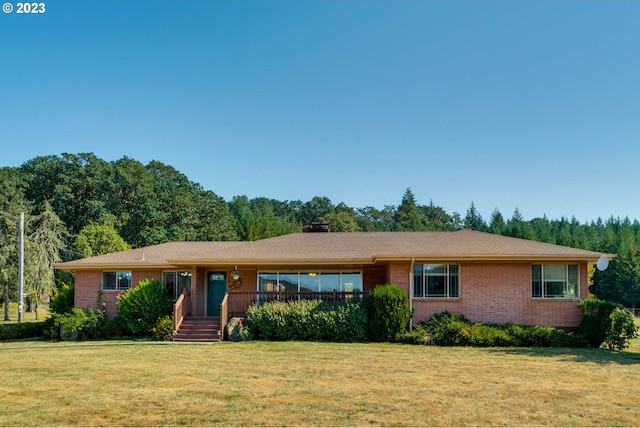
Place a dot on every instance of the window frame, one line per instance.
(421, 281)
(540, 282)
(117, 280)
(177, 290)
(342, 280)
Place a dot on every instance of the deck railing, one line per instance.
(239, 301)
(224, 314)
(181, 307)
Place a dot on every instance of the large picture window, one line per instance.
(310, 281)
(116, 281)
(436, 281)
(175, 282)
(555, 281)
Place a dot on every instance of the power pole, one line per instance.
(21, 269)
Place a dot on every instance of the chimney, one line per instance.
(316, 227)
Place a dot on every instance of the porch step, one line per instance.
(199, 329)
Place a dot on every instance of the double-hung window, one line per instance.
(436, 281)
(555, 281)
(116, 281)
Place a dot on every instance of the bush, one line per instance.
(307, 320)
(388, 311)
(62, 301)
(163, 329)
(22, 330)
(142, 306)
(88, 324)
(622, 328)
(595, 320)
(446, 329)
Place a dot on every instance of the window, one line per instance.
(555, 281)
(436, 281)
(116, 280)
(175, 282)
(310, 281)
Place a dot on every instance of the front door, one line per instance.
(216, 289)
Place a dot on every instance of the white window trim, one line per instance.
(566, 296)
(448, 285)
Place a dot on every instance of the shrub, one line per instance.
(142, 306)
(595, 320)
(22, 330)
(418, 335)
(163, 329)
(307, 320)
(88, 324)
(446, 329)
(62, 301)
(622, 328)
(388, 311)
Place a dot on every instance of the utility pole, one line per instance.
(21, 269)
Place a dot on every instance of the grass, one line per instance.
(13, 314)
(315, 384)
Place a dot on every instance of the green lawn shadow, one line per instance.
(579, 355)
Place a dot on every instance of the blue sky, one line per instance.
(534, 105)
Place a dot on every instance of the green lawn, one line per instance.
(13, 313)
(314, 384)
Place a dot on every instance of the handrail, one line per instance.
(224, 314)
(180, 308)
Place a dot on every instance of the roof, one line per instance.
(339, 248)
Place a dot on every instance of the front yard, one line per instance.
(314, 384)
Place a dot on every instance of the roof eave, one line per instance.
(498, 258)
(111, 266)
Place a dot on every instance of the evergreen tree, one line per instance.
(497, 224)
(408, 217)
(473, 219)
(46, 242)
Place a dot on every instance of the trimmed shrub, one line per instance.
(446, 329)
(307, 320)
(62, 301)
(388, 311)
(595, 320)
(142, 306)
(22, 330)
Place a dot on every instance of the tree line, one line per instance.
(78, 205)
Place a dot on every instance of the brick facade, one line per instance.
(491, 292)
(501, 293)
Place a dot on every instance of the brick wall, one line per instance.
(502, 293)
(372, 276)
(87, 292)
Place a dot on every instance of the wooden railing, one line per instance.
(224, 314)
(181, 307)
(239, 301)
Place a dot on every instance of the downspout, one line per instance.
(413, 262)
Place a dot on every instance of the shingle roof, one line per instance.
(335, 248)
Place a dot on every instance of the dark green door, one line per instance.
(216, 289)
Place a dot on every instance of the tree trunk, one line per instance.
(6, 306)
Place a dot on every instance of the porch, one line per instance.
(236, 303)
